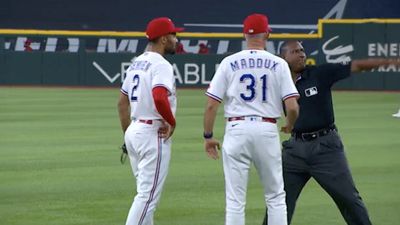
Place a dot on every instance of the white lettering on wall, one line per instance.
(384, 49)
(110, 45)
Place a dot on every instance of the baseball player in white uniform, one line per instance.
(147, 106)
(252, 83)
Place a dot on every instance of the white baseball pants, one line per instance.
(149, 157)
(247, 141)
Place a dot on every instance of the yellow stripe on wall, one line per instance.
(317, 35)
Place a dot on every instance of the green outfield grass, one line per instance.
(59, 162)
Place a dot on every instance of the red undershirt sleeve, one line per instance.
(160, 97)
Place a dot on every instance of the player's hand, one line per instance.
(124, 153)
(212, 146)
(287, 129)
(165, 131)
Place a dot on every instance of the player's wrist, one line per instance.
(207, 135)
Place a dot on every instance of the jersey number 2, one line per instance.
(135, 82)
(250, 94)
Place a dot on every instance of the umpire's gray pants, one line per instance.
(323, 159)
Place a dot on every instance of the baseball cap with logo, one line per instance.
(256, 24)
(161, 26)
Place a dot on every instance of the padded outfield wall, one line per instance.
(89, 58)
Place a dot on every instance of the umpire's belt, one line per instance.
(309, 136)
(252, 118)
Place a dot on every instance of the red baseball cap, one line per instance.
(256, 24)
(161, 26)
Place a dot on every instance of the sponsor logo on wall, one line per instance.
(190, 73)
(335, 52)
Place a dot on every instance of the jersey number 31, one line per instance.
(250, 81)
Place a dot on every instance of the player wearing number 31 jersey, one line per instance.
(147, 107)
(252, 83)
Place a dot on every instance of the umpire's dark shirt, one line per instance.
(314, 85)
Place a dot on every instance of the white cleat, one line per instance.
(397, 115)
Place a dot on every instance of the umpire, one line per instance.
(315, 148)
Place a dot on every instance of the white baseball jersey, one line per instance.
(252, 82)
(149, 70)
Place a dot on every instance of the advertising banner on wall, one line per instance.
(217, 45)
(102, 60)
(341, 43)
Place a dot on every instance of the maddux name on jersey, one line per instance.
(250, 63)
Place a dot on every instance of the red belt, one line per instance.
(145, 121)
(263, 119)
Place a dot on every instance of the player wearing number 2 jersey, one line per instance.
(147, 106)
(252, 83)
